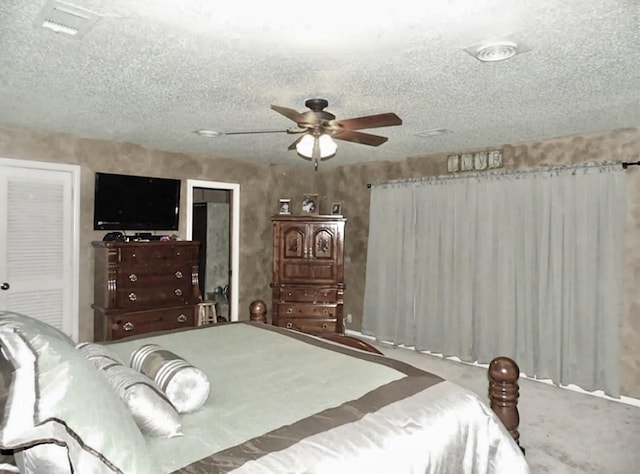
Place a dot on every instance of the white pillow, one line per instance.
(93, 352)
(43, 458)
(152, 411)
(58, 396)
(186, 386)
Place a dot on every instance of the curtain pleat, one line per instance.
(526, 264)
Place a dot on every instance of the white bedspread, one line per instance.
(282, 405)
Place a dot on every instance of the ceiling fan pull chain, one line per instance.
(316, 151)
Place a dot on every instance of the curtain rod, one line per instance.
(625, 165)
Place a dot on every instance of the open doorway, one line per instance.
(213, 217)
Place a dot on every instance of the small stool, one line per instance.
(207, 313)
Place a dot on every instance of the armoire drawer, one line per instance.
(312, 295)
(303, 310)
(309, 325)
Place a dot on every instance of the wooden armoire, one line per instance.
(308, 273)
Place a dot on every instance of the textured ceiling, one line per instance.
(152, 72)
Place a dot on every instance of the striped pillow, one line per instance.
(186, 386)
(151, 409)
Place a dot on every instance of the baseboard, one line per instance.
(598, 393)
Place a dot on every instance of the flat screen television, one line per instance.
(126, 202)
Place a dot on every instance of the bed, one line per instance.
(277, 401)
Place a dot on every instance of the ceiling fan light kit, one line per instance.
(320, 128)
(327, 147)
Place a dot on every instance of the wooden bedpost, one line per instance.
(258, 311)
(504, 392)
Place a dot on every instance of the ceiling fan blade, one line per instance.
(292, 130)
(249, 132)
(371, 121)
(359, 137)
(293, 145)
(291, 114)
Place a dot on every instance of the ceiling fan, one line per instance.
(320, 128)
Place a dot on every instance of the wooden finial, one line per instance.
(258, 311)
(504, 392)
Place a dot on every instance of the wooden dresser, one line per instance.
(141, 287)
(308, 273)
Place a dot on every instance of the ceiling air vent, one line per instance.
(434, 132)
(67, 19)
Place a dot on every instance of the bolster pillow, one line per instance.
(186, 386)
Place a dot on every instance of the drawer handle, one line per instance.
(325, 311)
(290, 311)
(289, 325)
(325, 326)
(128, 326)
(133, 277)
(132, 297)
(182, 318)
(178, 292)
(178, 274)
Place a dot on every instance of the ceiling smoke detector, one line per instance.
(498, 50)
(67, 19)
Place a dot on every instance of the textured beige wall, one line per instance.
(261, 185)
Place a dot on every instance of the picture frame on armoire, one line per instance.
(310, 204)
(284, 206)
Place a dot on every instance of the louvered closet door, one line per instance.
(37, 244)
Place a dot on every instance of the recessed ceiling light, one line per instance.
(433, 132)
(208, 133)
(498, 50)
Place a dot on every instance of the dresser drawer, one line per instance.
(142, 276)
(150, 254)
(312, 295)
(158, 295)
(310, 325)
(303, 310)
(140, 322)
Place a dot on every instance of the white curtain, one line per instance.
(526, 264)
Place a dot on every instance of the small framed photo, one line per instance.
(336, 209)
(310, 204)
(284, 206)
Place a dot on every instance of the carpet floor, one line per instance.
(562, 431)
